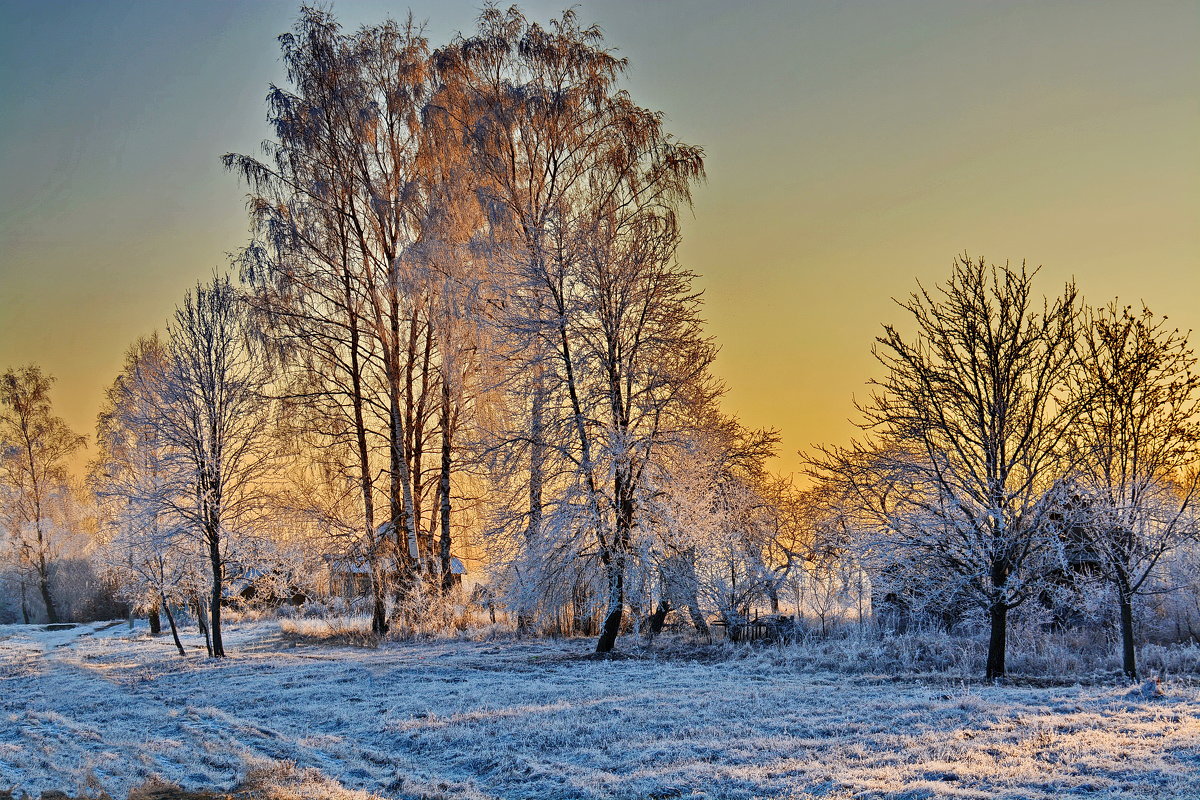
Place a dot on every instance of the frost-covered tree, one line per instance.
(473, 252)
(581, 187)
(820, 543)
(1137, 448)
(363, 211)
(463, 294)
(714, 523)
(35, 448)
(970, 423)
(132, 483)
(212, 414)
(306, 283)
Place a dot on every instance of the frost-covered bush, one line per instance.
(423, 611)
(251, 614)
(865, 649)
(1057, 655)
(314, 609)
(1170, 661)
(850, 649)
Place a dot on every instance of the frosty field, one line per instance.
(111, 707)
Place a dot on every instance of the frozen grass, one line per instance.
(356, 631)
(507, 718)
(1035, 658)
(351, 630)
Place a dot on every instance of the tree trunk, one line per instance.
(214, 555)
(998, 613)
(51, 611)
(537, 453)
(24, 602)
(171, 621)
(616, 605)
(414, 426)
(401, 484)
(537, 462)
(1128, 652)
(44, 587)
(379, 624)
(155, 620)
(202, 621)
(614, 560)
(997, 640)
(444, 490)
(659, 617)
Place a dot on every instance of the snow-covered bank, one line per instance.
(539, 720)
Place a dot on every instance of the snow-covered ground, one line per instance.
(510, 719)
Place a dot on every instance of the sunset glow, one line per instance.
(851, 149)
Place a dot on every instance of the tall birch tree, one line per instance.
(582, 187)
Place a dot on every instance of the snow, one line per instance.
(538, 719)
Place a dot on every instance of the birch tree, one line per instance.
(582, 188)
(130, 477)
(307, 279)
(35, 448)
(212, 414)
(343, 268)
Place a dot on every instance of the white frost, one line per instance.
(519, 719)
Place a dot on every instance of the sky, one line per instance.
(853, 149)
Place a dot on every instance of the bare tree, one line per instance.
(582, 188)
(970, 422)
(307, 269)
(363, 214)
(1138, 449)
(35, 447)
(132, 486)
(212, 413)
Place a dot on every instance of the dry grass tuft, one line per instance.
(350, 631)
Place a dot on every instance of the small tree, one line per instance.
(212, 414)
(132, 485)
(35, 446)
(1137, 449)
